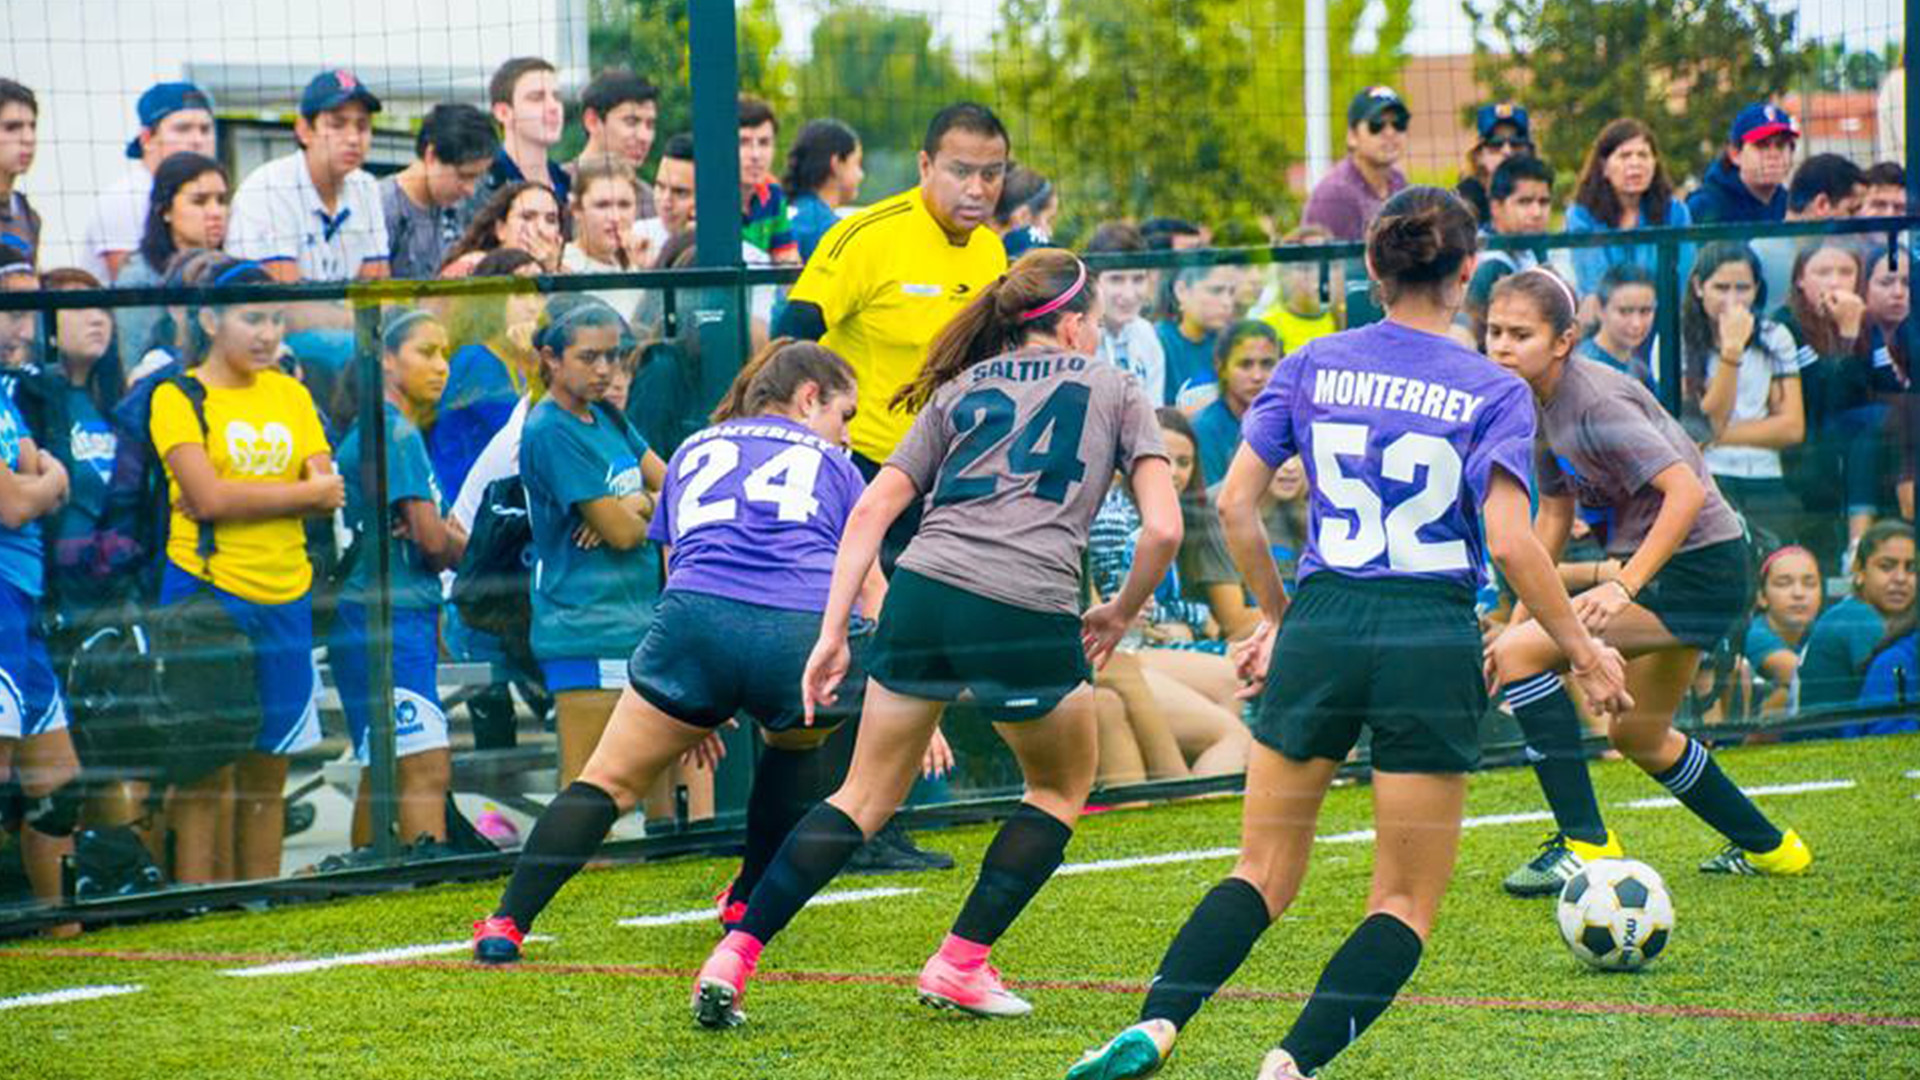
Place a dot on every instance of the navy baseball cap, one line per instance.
(1761, 121)
(163, 100)
(1373, 101)
(1505, 112)
(332, 89)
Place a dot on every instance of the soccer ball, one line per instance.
(1615, 914)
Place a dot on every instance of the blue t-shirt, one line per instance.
(480, 394)
(1893, 676)
(409, 476)
(20, 564)
(91, 444)
(811, 217)
(753, 509)
(587, 602)
(1762, 642)
(1838, 648)
(1219, 433)
(1191, 379)
(1400, 432)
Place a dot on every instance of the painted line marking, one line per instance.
(378, 956)
(62, 997)
(825, 899)
(1768, 789)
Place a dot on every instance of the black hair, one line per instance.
(678, 147)
(1024, 186)
(1513, 171)
(1115, 236)
(1420, 239)
(205, 267)
(1552, 297)
(177, 171)
(507, 76)
(106, 380)
(810, 158)
(613, 88)
(1173, 419)
(15, 93)
(1696, 330)
(1620, 275)
(569, 313)
(1160, 231)
(458, 133)
(1232, 336)
(964, 116)
(1823, 174)
(1886, 174)
(755, 111)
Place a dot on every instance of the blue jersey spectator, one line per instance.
(1748, 182)
(1623, 186)
(823, 174)
(1843, 639)
(1203, 299)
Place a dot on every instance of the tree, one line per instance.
(1179, 107)
(1685, 69)
(880, 73)
(650, 37)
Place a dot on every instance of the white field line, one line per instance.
(705, 914)
(1664, 802)
(379, 956)
(61, 997)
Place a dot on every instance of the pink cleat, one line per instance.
(722, 982)
(727, 909)
(496, 940)
(1280, 1065)
(977, 991)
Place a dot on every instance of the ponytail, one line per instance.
(776, 373)
(1031, 297)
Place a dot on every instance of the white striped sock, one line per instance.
(1534, 688)
(1686, 772)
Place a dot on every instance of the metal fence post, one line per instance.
(1667, 325)
(382, 772)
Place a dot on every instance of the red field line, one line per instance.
(1092, 986)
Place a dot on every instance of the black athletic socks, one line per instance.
(564, 838)
(786, 784)
(1696, 780)
(1211, 946)
(1552, 729)
(1023, 855)
(814, 851)
(1356, 987)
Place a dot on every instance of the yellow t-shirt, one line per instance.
(887, 280)
(261, 434)
(1296, 330)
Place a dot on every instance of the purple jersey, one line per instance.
(753, 510)
(1400, 432)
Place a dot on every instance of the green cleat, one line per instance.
(1133, 1052)
(1560, 858)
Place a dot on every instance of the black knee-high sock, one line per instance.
(814, 851)
(1023, 855)
(1696, 780)
(1207, 951)
(1552, 727)
(1356, 987)
(564, 838)
(786, 784)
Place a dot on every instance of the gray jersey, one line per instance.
(1013, 458)
(1603, 439)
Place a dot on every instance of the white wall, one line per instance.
(89, 60)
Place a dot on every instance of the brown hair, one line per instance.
(996, 322)
(1551, 297)
(602, 167)
(755, 111)
(1419, 240)
(507, 76)
(1817, 328)
(777, 372)
(1172, 419)
(1598, 196)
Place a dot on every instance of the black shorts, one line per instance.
(939, 642)
(707, 659)
(1401, 657)
(1701, 595)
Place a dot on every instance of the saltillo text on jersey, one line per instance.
(1026, 369)
(1374, 390)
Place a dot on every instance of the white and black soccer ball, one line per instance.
(1616, 914)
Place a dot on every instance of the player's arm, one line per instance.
(1681, 497)
(884, 500)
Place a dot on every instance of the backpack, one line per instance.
(492, 587)
(138, 510)
(110, 860)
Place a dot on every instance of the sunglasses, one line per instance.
(1509, 144)
(1377, 125)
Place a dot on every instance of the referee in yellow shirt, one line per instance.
(884, 281)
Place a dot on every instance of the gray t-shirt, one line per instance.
(1603, 439)
(1014, 457)
(419, 236)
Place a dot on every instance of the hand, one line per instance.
(327, 491)
(1251, 656)
(939, 759)
(1847, 309)
(826, 666)
(639, 250)
(535, 242)
(1600, 605)
(586, 538)
(707, 753)
(520, 334)
(55, 474)
(1736, 324)
(1604, 683)
(1101, 629)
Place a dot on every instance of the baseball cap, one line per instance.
(163, 100)
(1761, 121)
(1373, 101)
(332, 89)
(1506, 112)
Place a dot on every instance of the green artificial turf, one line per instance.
(1796, 963)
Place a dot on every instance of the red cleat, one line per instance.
(496, 940)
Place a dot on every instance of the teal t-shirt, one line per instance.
(1762, 642)
(1839, 647)
(1219, 433)
(91, 444)
(409, 476)
(587, 602)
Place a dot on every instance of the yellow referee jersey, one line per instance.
(886, 280)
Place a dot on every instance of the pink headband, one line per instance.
(1060, 301)
(1566, 290)
(1791, 549)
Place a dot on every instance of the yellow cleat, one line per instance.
(1792, 858)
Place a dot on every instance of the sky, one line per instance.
(1440, 26)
